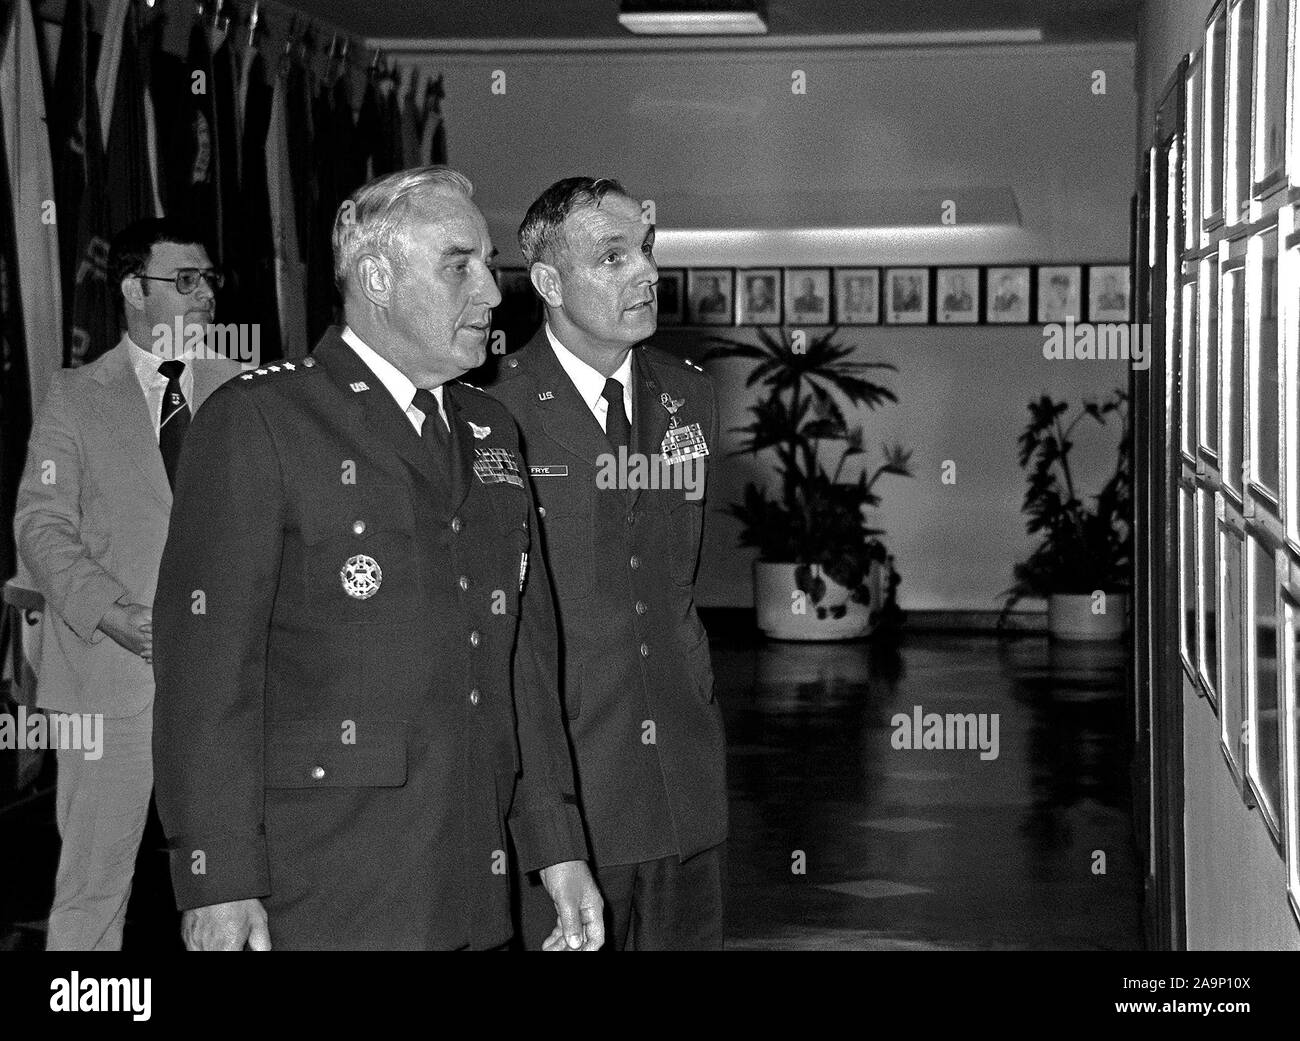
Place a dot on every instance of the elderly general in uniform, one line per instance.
(622, 543)
(354, 638)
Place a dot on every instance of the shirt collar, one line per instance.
(396, 382)
(590, 383)
(145, 363)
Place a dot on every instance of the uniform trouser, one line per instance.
(654, 905)
(101, 809)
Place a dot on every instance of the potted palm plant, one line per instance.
(822, 572)
(1082, 564)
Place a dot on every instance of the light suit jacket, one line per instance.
(90, 525)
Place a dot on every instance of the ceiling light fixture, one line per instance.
(692, 18)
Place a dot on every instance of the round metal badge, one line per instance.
(361, 576)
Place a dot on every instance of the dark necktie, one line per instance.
(174, 420)
(617, 428)
(434, 431)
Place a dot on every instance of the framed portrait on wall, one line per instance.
(808, 296)
(709, 295)
(857, 296)
(1108, 293)
(1006, 295)
(907, 295)
(957, 295)
(1059, 292)
(670, 292)
(1272, 37)
(758, 301)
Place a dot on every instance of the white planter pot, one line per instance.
(1070, 617)
(785, 613)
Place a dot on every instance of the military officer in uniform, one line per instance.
(354, 639)
(638, 685)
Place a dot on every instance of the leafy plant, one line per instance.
(1083, 547)
(818, 517)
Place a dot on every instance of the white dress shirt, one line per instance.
(154, 383)
(401, 388)
(590, 383)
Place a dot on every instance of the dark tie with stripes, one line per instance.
(174, 419)
(617, 429)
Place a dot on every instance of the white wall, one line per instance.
(718, 140)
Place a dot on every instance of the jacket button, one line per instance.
(474, 638)
(358, 527)
(463, 582)
(307, 363)
(631, 518)
(645, 650)
(641, 607)
(456, 524)
(318, 773)
(473, 696)
(635, 562)
(541, 511)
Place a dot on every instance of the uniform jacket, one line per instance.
(637, 680)
(350, 679)
(90, 524)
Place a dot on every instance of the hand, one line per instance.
(580, 921)
(226, 927)
(131, 626)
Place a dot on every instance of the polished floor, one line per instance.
(839, 839)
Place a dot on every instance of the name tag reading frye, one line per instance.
(496, 466)
(684, 442)
(548, 471)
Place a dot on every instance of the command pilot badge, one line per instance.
(361, 576)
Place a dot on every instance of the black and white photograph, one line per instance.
(957, 295)
(857, 296)
(670, 295)
(708, 293)
(807, 296)
(649, 475)
(1108, 293)
(759, 300)
(907, 296)
(1006, 292)
(1060, 291)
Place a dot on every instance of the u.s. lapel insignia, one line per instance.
(545, 395)
(361, 576)
(358, 387)
(479, 432)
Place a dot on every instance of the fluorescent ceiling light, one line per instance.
(693, 23)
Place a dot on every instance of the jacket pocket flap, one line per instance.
(334, 754)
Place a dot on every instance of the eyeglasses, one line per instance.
(186, 279)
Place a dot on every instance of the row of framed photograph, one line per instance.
(894, 295)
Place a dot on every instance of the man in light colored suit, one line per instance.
(90, 524)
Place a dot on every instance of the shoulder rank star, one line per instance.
(479, 432)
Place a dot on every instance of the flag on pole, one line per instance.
(126, 144)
